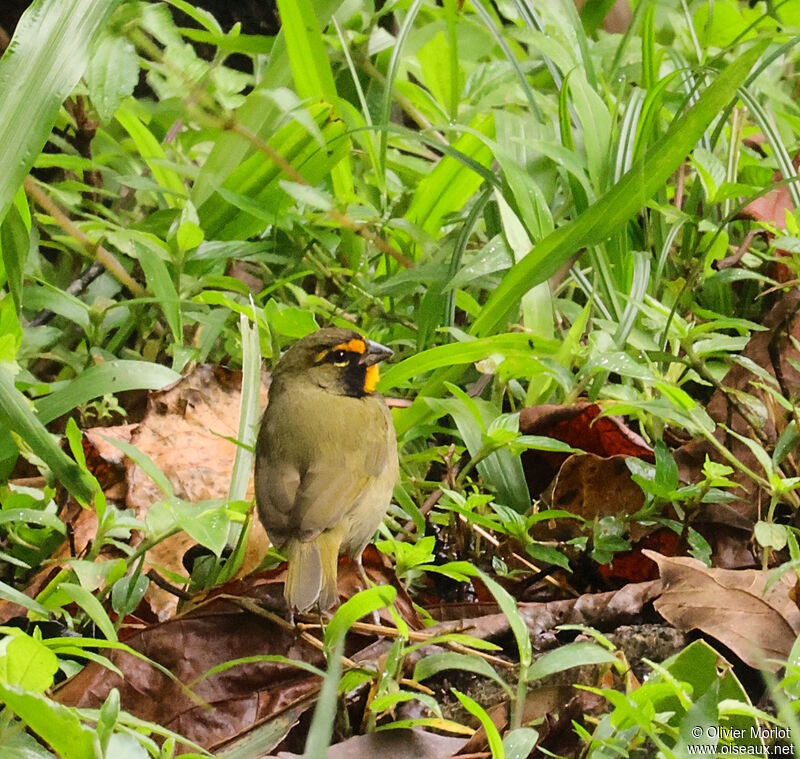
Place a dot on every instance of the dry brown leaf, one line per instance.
(239, 698)
(732, 606)
(612, 608)
(185, 433)
(590, 487)
(581, 426)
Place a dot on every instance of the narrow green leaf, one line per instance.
(153, 154)
(361, 604)
(111, 377)
(15, 242)
(145, 463)
(311, 70)
(452, 183)
(92, 607)
(492, 735)
(466, 352)
(249, 411)
(435, 663)
(161, 285)
(16, 414)
(614, 209)
(16, 597)
(568, 656)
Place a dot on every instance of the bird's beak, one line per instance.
(374, 353)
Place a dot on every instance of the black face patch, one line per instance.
(351, 372)
(353, 376)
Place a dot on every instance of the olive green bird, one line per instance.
(326, 459)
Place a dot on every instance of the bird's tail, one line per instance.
(312, 572)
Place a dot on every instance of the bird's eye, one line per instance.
(338, 356)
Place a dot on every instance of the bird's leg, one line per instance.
(291, 616)
(367, 584)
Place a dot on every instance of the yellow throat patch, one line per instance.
(372, 378)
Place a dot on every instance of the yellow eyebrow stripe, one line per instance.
(351, 346)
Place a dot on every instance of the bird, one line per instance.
(325, 461)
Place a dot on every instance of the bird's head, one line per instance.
(339, 360)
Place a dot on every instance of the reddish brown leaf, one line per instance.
(581, 426)
(634, 565)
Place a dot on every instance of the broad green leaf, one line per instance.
(59, 726)
(112, 74)
(209, 526)
(25, 662)
(519, 743)
(45, 60)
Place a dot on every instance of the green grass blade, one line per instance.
(311, 70)
(93, 608)
(248, 408)
(47, 56)
(614, 209)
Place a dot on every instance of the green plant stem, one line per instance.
(733, 460)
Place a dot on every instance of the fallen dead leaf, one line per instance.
(591, 487)
(229, 625)
(233, 701)
(188, 432)
(581, 426)
(732, 606)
